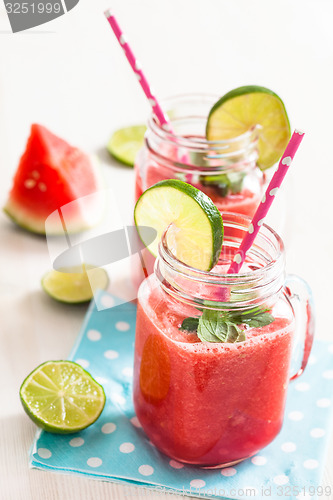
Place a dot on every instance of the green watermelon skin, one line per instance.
(52, 175)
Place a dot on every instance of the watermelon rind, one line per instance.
(22, 217)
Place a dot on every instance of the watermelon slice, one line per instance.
(53, 176)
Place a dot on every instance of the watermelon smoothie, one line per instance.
(212, 403)
(243, 202)
(225, 170)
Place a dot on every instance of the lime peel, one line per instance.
(246, 107)
(75, 285)
(126, 142)
(61, 397)
(196, 234)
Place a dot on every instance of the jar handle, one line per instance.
(300, 297)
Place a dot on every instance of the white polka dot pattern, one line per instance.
(288, 447)
(110, 354)
(135, 422)
(44, 453)
(286, 161)
(311, 464)
(108, 428)
(267, 200)
(107, 301)
(122, 326)
(273, 192)
(238, 258)
(228, 471)
(259, 460)
(94, 335)
(317, 432)
(197, 483)
(323, 403)
(76, 442)
(146, 470)
(136, 67)
(83, 362)
(176, 465)
(117, 438)
(126, 447)
(296, 416)
(94, 462)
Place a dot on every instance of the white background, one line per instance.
(71, 76)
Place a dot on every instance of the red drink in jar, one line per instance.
(212, 403)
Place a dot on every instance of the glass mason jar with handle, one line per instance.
(225, 170)
(211, 403)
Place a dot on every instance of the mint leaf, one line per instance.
(260, 320)
(213, 328)
(190, 324)
(255, 318)
(219, 326)
(236, 181)
(233, 333)
(225, 183)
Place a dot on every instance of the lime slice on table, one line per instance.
(126, 142)
(76, 285)
(196, 234)
(62, 397)
(245, 107)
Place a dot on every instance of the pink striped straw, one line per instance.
(266, 202)
(136, 67)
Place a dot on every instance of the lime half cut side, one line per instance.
(126, 142)
(242, 109)
(62, 397)
(75, 285)
(196, 234)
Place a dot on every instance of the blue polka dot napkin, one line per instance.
(116, 449)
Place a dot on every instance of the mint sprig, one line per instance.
(218, 326)
(190, 324)
(225, 183)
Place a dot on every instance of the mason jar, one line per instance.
(225, 170)
(213, 403)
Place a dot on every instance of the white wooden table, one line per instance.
(70, 75)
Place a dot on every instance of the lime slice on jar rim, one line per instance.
(196, 235)
(247, 107)
(61, 397)
(75, 285)
(126, 142)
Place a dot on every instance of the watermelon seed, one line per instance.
(29, 183)
(35, 174)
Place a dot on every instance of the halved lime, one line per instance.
(245, 107)
(76, 284)
(196, 235)
(126, 142)
(62, 397)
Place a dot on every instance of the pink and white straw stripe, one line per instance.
(267, 201)
(136, 66)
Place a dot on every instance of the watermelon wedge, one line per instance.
(52, 177)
